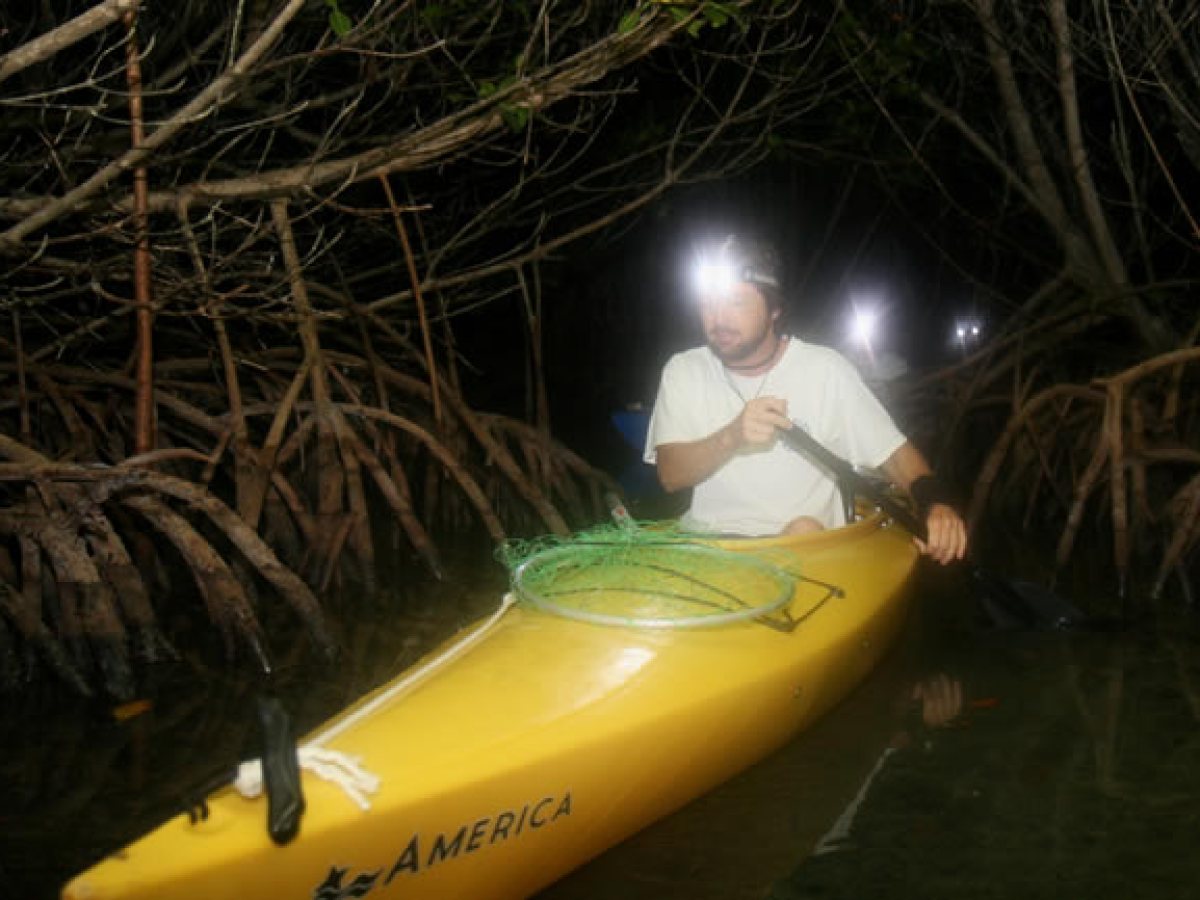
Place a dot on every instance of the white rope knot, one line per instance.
(338, 768)
(343, 769)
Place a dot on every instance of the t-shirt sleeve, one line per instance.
(870, 435)
(673, 419)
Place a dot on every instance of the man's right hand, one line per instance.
(760, 419)
(685, 464)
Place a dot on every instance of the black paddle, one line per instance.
(1009, 604)
(850, 481)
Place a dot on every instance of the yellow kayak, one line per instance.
(532, 742)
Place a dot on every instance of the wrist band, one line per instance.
(928, 490)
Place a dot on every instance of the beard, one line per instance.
(733, 348)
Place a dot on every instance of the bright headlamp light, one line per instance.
(718, 270)
(713, 276)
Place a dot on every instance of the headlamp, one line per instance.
(713, 276)
(718, 270)
(864, 324)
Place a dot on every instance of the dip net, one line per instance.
(647, 577)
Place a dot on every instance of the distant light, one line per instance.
(967, 332)
(864, 326)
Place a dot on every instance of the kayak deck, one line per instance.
(546, 741)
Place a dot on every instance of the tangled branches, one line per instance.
(307, 193)
(66, 519)
(312, 475)
(1114, 433)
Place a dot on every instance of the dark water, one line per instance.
(1073, 769)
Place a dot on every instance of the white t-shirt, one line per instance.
(760, 489)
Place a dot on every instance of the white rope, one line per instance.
(452, 652)
(333, 766)
(342, 769)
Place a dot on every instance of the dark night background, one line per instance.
(536, 174)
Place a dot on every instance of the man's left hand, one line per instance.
(947, 534)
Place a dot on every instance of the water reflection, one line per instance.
(934, 702)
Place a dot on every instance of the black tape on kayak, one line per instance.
(281, 771)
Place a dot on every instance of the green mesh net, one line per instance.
(648, 575)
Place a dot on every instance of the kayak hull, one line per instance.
(531, 743)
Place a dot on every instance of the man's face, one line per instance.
(738, 324)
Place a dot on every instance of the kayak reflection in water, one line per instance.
(934, 702)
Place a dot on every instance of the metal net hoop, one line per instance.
(648, 583)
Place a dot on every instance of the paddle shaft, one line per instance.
(801, 440)
(1003, 592)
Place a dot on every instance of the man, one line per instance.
(716, 423)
